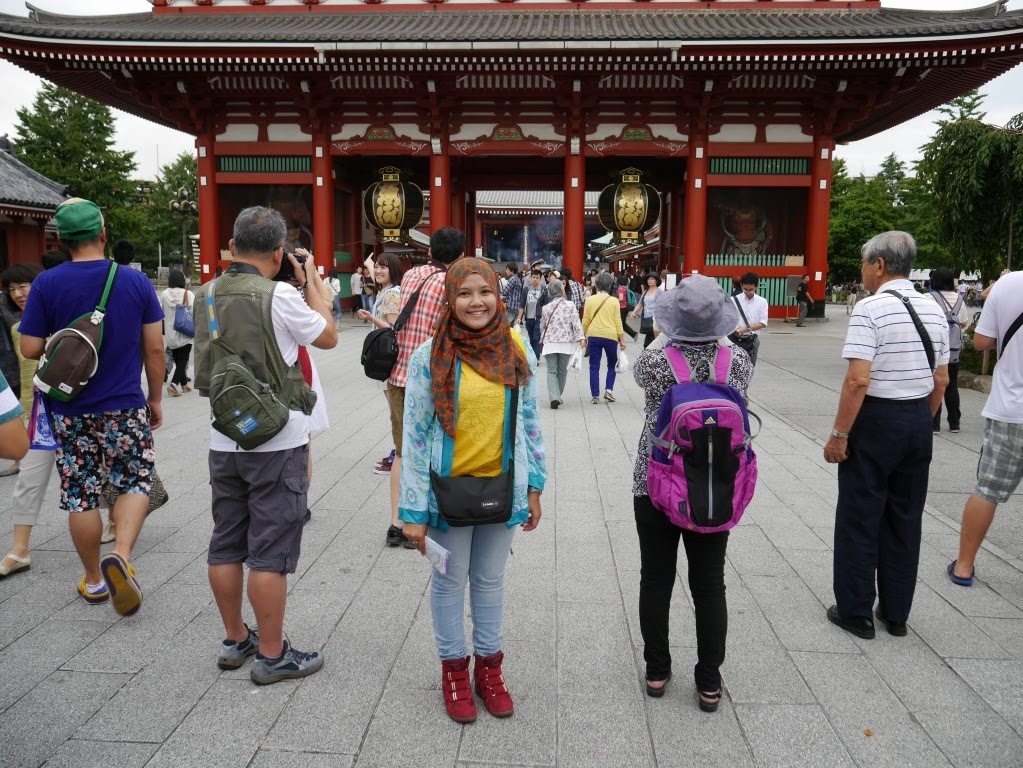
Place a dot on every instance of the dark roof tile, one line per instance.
(20, 185)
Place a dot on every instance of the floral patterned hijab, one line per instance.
(490, 351)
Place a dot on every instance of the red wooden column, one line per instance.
(457, 214)
(817, 212)
(440, 192)
(678, 202)
(573, 239)
(353, 227)
(695, 240)
(472, 225)
(209, 207)
(323, 203)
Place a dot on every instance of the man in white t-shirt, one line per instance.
(259, 495)
(1000, 469)
(882, 439)
(357, 293)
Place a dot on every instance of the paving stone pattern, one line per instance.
(82, 687)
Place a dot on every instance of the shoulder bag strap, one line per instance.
(550, 317)
(1016, 324)
(101, 308)
(738, 306)
(406, 313)
(924, 337)
(211, 312)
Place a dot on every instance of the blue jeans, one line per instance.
(478, 555)
(609, 347)
(533, 329)
(367, 302)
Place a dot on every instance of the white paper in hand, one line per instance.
(438, 556)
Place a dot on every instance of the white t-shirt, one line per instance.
(1003, 305)
(295, 325)
(356, 284)
(882, 331)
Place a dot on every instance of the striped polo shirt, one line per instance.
(882, 331)
(10, 408)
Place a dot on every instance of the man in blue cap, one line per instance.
(103, 434)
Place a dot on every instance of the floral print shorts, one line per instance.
(114, 447)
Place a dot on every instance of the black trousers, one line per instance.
(882, 488)
(180, 356)
(658, 548)
(951, 400)
(625, 324)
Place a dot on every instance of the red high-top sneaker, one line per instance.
(454, 682)
(489, 681)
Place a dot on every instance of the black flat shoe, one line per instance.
(709, 700)
(656, 693)
(895, 628)
(394, 536)
(855, 625)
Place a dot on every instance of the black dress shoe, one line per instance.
(856, 625)
(895, 628)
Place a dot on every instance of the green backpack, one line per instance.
(244, 408)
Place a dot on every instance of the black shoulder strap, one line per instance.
(924, 337)
(1011, 332)
(410, 305)
(738, 306)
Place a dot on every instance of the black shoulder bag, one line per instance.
(380, 349)
(1010, 333)
(924, 337)
(747, 342)
(469, 500)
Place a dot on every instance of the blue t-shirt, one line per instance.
(68, 291)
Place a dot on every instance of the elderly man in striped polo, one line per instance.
(897, 348)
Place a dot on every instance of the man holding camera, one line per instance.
(259, 495)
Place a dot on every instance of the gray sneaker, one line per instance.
(233, 655)
(290, 665)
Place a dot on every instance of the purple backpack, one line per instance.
(702, 469)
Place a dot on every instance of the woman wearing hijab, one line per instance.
(461, 387)
(694, 316)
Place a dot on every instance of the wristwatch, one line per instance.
(836, 433)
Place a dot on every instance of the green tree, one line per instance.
(974, 172)
(893, 176)
(69, 138)
(859, 210)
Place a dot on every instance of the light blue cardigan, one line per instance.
(425, 445)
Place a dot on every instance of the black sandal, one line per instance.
(656, 693)
(709, 700)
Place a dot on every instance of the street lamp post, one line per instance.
(186, 208)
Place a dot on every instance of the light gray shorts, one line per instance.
(1000, 467)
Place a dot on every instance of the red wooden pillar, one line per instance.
(353, 227)
(323, 203)
(695, 248)
(573, 240)
(209, 207)
(440, 192)
(818, 206)
(678, 202)
(472, 225)
(458, 211)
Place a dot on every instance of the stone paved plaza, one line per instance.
(82, 687)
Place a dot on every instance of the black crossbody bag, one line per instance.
(924, 337)
(469, 500)
(747, 342)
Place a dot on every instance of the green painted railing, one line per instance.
(754, 260)
(760, 166)
(263, 164)
(771, 288)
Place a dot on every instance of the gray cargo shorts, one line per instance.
(259, 501)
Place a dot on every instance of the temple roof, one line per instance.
(549, 201)
(456, 28)
(21, 186)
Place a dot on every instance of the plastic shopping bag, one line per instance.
(40, 427)
(623, 362)
(575, 363)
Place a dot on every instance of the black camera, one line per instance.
(287, 271)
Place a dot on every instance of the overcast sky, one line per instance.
(155, 145)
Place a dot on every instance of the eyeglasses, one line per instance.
(14, 288)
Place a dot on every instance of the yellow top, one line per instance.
(28, 371)
(479, 428)
(602, 317)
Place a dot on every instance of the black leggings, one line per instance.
(658, 548)
(625, 325)
(180, 356)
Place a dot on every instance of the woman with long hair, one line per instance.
(645, 308)
(176, 294)
(466, 388)
(35, 468)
